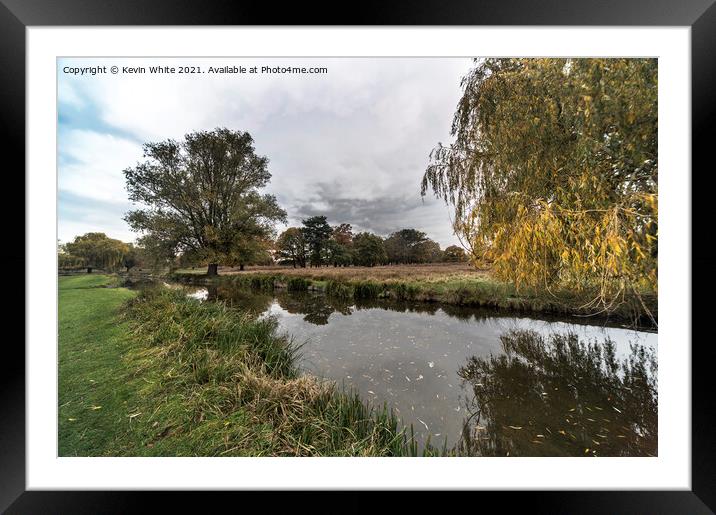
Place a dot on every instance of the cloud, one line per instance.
(352, 143)
(91, 164)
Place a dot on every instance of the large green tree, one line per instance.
(368, 249)
(317, 233)
(97, 250)
(553, 173)
(201, 196)
(340, 246)
(411, 246)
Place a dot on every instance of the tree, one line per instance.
(340, 246)
(411, 246)
(159, 253)
(368, 249)
(202, 197)
(427, 251)
(291, 246)
(553, 174)
(96, 250)
(65, 260)
(316, 231)
(454, 254)
(131, 257)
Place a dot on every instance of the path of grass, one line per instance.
(94, 393)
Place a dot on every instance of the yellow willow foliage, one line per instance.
(554, 174)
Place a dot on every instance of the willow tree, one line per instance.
(202, 198)
(97, 250)
(553, 174)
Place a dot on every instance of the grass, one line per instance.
(94, 398)
(447, 283)
(159, 374)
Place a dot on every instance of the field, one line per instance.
(433, 272)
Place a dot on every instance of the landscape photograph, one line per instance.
(367, 257)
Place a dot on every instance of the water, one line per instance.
(474, 379)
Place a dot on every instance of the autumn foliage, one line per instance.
(553, 174)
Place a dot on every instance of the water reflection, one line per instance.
(558, 396)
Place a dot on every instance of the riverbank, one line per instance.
(453, 284)
(155, 373)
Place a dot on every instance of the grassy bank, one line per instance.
(161, 374)
(456, 284)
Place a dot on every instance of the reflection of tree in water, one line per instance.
(557, 396)
(317, 308)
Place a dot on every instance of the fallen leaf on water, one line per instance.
(71, 419)
(96, 407)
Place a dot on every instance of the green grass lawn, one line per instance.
(94, 394)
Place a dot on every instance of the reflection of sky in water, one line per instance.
(410, 360)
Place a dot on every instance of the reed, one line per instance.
(231, 368)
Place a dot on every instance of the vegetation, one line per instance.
(93, 250)
(95, 395)
(553, 174)
(454, 254)
(204, 200)
(411, 246)
(369, 250)
(291, 247)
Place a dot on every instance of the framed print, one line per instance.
(417, 253)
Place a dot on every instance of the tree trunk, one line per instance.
(213, 269)
(89, 269)
(241, 267)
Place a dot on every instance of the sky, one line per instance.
(351, 144)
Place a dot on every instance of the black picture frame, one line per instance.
(699, 15)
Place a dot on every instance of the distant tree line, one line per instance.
(316, 243)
